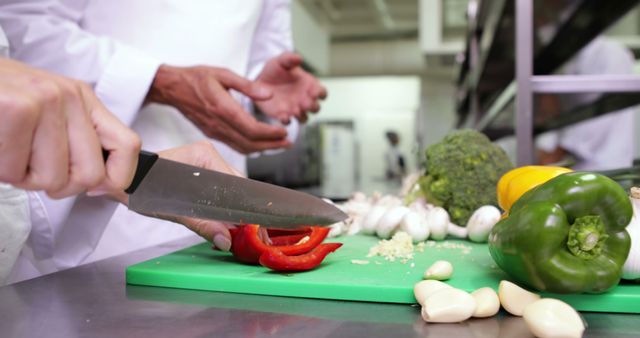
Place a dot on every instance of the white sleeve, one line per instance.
(48, 35)
(583, 139)
(273, 35)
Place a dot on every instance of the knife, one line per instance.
(165, 187)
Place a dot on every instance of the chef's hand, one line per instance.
(202, 154)
(202, 94)
(52, 130)
(295, 92)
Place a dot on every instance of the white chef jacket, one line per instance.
(604, 142)
(117, 46)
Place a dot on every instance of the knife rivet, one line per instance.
(196, 174)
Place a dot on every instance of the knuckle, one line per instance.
(89, 177)
(133, 140)
(48, 90)
(20, 109)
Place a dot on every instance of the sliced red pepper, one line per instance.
(247, 245)
(276, 260)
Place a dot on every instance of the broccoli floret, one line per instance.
(462, 173)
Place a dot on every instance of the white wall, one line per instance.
(376, 58)
(310, 39)
(374, 104)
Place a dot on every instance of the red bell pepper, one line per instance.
(247, 244)
(276, 260)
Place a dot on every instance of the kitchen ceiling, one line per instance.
(357, 20)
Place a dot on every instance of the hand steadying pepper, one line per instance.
(281, 249)
(566, 235)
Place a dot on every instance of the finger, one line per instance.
(246, 124)
(19, 121)
(318, 91)
(122, 144)
(253, 90)
(215, 232)
(87, 167)
(303, 117)
(244, 145)
(306, 103)
(315, 107)
(49, 160)
(289, 60)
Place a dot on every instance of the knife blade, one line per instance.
(165, 187)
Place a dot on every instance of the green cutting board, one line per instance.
(200, 268)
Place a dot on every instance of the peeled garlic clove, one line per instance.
(448, 306)
(426, 288)
(487, 302)
(440, 270)
(553, 318)
(514, 298)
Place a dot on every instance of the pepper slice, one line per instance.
(566, 236)
(247, 244)
(276, 260)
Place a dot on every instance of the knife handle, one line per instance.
(146, 159)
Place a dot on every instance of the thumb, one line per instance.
(289, 60)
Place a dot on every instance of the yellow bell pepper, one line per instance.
(516, 182)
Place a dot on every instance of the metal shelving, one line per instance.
(494, 77)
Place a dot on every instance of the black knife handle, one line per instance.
(146, 159)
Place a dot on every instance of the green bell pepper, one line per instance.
(566, 236)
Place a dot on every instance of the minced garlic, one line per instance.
(400, 246)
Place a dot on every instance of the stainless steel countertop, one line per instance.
(94, 301)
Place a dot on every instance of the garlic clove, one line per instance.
(440, 270)
(372, 218)
(448, 305)
(438, 221)
(390, 221)
(549, 317)
(414, 223)
(514, 298)
(487, 302)
(457, 231)
(481, 222)
(426, 288)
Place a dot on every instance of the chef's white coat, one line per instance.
(605, 142)
(117, 46)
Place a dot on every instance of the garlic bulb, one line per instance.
(631, 268)
(481, 222)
